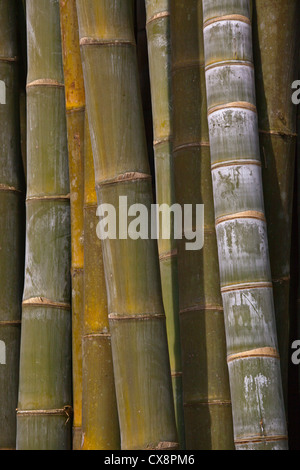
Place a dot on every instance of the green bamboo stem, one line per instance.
(245, 274)
(11, 222)
(136, 315)
(277, 125)
(208, 415)
(45, 398)
(159, 53)
(75, 116)
(100, 425)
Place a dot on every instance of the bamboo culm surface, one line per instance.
(159, 53)
(207, 406)
(136, 314)
(246, 283)
(11, 223)
(75, 118)
(44, 414)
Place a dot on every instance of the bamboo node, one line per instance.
(163, 446)
(241, 215)
(89, 41)
(247, 285)
(129, 176)
(45, 82)
(254, 353)
(238, 162)
(158, 16)
(65, 411)
(234, 104)
(38, 301)
(142, 316)
(217, 19)
(7, 188)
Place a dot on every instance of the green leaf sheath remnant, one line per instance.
(45, 393)
(136, 315)
(159, 53)
(11, 223)
(245, 274)
(207, 404)
(277, 132)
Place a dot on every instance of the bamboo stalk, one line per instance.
(11, 222)
(75, 116)
(275, 71)
(205, 376)
(136, 315)
(159, 53)
(100, 424)
(246, 283)
(44, 407)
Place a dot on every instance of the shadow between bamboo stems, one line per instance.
(207, 404)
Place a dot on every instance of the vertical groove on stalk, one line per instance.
(275, 71)
(44, 414)
(136, 315)
(208, 415)
(252, 350)
(75, 116)
(100, 425)
(11, 223)
(159, 53)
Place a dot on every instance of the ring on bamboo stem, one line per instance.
(48, 198)
(164, 446)
(246, 286)
(241, 215)
(147, 316)
(278, 133)
(105, 42)
(191, 145)
(65, 411)
(217, 19)
(10, 322)
(217, 165)
(9, 59)
(129, 176)
(253, 439)
(234, 104)
(224, 63)
(158, 16)
(254, 353)
(41, 301)
(6, 188)
(45, 82)
(170, 254)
